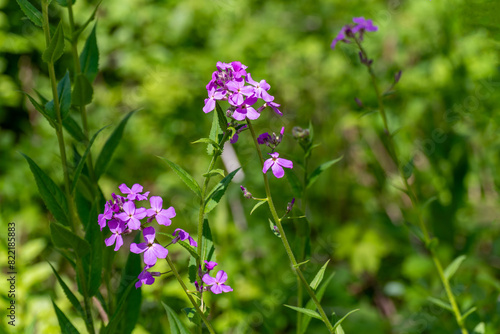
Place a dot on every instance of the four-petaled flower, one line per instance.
(131, 216)
(117, 227)
(210, 265)
(103, 217)
(213, 95)
(151, 251)
(277, 165)
(162, 216)
(133, 194)
(217, 283)
(260, 89)
(183, 235)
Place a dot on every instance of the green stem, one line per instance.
(284, 239)
(413, 198)
(195, 305)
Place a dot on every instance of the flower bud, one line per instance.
(246, 193)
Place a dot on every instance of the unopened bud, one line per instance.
(246, 193)
(397, 76)
(289, 207)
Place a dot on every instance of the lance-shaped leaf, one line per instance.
(338, 323)
(214, 197)
(110, 146)
(184, 176)
(31, 12)
(83, 91)
(55, 49)
(215, 134)
(321, 168)
(117, 317)
(65, 239)
(89, 58)
(319, 276)
(69, 294)
(91, 18)
(208, 248)
(50, 117)
(82, 161)
(453, 267)
(73, 128)
(310, 304)
(176, 325)
(440, 303)
(257, 205)
(52, 195)
(305, 311)
(64, 323)
(93, 261)
(222, 117)
(64, 96)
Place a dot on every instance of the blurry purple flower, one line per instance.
(289, 207)
(217, 283)
(264, 138)
(238, 69)
(277, 165)
(133, 194)
(151, 251)
(117, 227)
(210, 265)
(246, 193)
(212, 96)
(363, 25)
(358, 102)
(349, 31)
(260, 89)
(131, 216)
(103, 217)
(275, 107)
(183, 235)
(341, 37)
(162, 216)
(145, 277)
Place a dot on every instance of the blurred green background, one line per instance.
(159, 55)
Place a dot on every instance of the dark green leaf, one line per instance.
(67, 291)
(64, 323)
(317, 172)
(64, 3)
(306, 311)
(215, 195)
(82, 161)
(337, 324)
(65, 239)
(176, 325)
(453, 267)
(192, 315)
(110, 146)
(55, 49)
(222, 118)
(83, 91)
(208, 248)
(93, 262)
(89, 58)
(184, 176)
(64, 93)
(51, 194)
(215, 134)
(319, 276)
(91, 18)
(192, 269)
(117, 317)
(73, 128)
(48, 116)
(31, 12)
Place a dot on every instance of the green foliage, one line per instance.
(208, 250)
(83, 91)
(319, 276)
(215, 195)
(310, 313)
(184, 176)
(64, 94)
(31, 12)
(66, 325)
(176, 325)
(65, 239)
(320, 169)
(55, 49)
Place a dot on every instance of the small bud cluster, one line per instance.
(353, 31)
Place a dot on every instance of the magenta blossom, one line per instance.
(131, 216)
(107, 215)
(246, 110)
(213, 95)
(260, 89)
(237, 86)
(210, 265)
(183, 235)
(277, 165)
(145, 277)
(217, 283)
(151, 251)
(133, 194)
(349, 31)
(162, 216)
(117, 227)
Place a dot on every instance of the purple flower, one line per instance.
(213, 95)
(131, 216)
(235, 136)
(183, 235)
(277, 165)
(117, 227)
(162, 216)
(210, 265)
(103, 217)
(363, 25)
(238, 69)
(145, 277)
(217, 283)
(349, 31)
(133, 194)
(237, 86)
(273, 105)
(264, 138)
(260, 89)
(246, 193)
(246, 111)
(151, 251)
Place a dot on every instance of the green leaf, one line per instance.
(176, 325)
(110, 146)
(82, 161)
(306, 311)
(207, 141)
(274, 228)
(67, 291)
(117, 317)
(192, 269)
(64, 96)
(208, 248)
(479, 329)
(73, 128)
(214, 197)
(440, 303)
(48, 116)
(89, 58)
(295, 183)
(310, 304)
(222, 117)
(317, 172)
(184, 176)
(257, 205)
(83, 91)
(215, 134)
(64, 323)
(301, 263)
(93, 262)
(214, 172)
(184, 244)
(64, 3)
(192, 315)
(91, 18)
(319, 276)
(469, 312)
(52, 195)
(453, 267)
(65, 239)
(31, 12)
(337, 324)
(55, 49)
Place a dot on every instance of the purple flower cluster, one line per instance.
(231, 82)
(275, 163)
(216, 283)
(349, 31)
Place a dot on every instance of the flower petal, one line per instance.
(111, 240)
(138, 248)
(284, 162)
(149, 234)
(119, 242)
(278, 171)
(208, 280)
(159, 251)
(226, 288)
(150, 257)
(267, 164)
(216, 289)
(221, 276)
